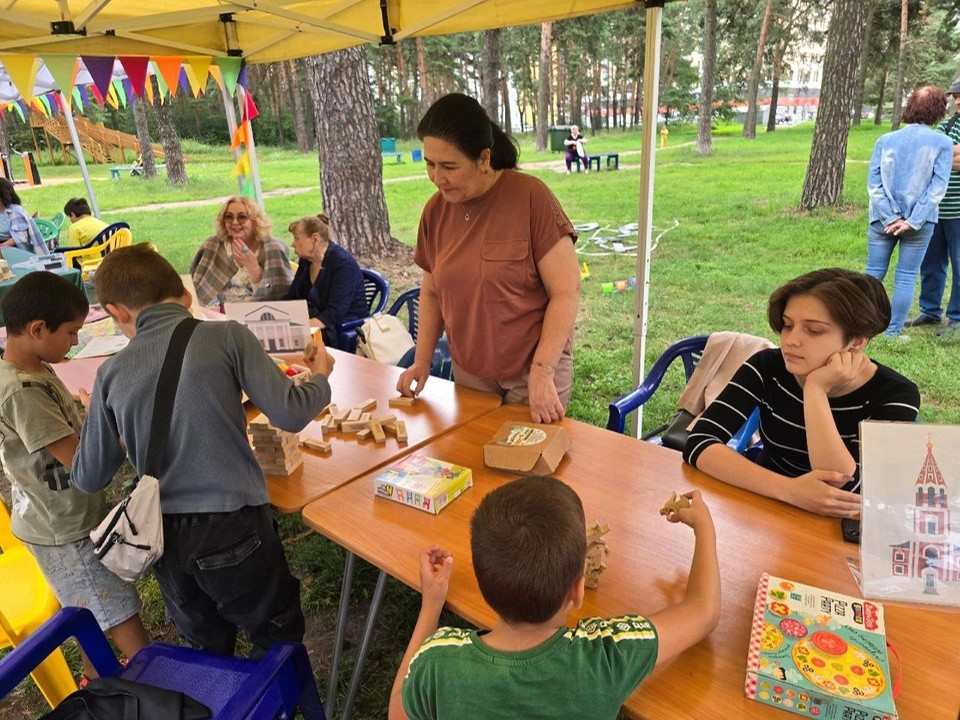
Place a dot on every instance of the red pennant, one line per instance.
(136, 69)
(249, 109)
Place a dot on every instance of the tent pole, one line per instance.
(231, 114)
(651, 101)
(74, 138)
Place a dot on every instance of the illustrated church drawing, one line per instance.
(928, 554)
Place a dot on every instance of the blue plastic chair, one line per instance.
(235, 689)
(377, 290)
(689, 351)
(409, 302)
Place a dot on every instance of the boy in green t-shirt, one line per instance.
(39, 433)
(528, 541)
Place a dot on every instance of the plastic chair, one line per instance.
(59, 219)
(89, 256)
(377, 290)
(276, 685)
(689, 351)
(49, 232)
(409, 302)
(26, 602)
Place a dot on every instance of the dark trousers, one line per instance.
(224, 571)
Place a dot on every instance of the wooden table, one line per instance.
(623, 482)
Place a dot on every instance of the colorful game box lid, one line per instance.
(818, 653)
(424, 483)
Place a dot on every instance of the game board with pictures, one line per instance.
(818, 653)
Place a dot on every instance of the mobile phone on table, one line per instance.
(850, 529)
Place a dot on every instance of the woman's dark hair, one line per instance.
(926, 106)
(857, 303)
(460, 120)
(8, 194)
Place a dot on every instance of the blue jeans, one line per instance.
(913, 245)
(944, 247)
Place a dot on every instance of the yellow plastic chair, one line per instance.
(90, 256)
(26, 602)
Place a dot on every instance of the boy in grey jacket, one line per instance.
(223, 566)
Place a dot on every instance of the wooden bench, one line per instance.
(591, 161)
(136, 170)
(397, 156)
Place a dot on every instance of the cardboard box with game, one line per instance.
(527, 448)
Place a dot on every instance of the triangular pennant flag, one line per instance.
(16, 106)
(217, 76)
(75, 99)
(243, 165)
(239, 136)
(250, 109)
(229, 69)
(39, 104)
(169, 68)
(248, 190)
(52, 103)
(63, 68)
(111, 97)
(96, 94)
(242, 76)
(200, 66)
(118, 92)
(58, 98)
(101, 70)
(148, 91)
(83, 97)
(128, 90)
(22, 70)
(162, 88)
(136, 69)
(183, 82)
(195, 87)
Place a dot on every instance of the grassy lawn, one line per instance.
(728, 233)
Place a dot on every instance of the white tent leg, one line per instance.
(75, 139)
(651, 101)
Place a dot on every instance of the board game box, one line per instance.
(818, 653)
(424, 483)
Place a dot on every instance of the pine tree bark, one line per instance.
(823, 184)
(774, 94)
(348, 145)
(4, 139)
(859, 90)
(303, 132)
(543, 89)
(881, 91)
(707, 79)
(901, 65)
(143, 137)
(505, 100)
(172, 152)
(426, 96)
(750, 121)
(490, 74)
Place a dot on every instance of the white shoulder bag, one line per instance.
(384, 338)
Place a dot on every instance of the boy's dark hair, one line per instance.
(76, 206)
(461, 121)
(529, 545)
(42, 296)
(856, 302)
(136, 276)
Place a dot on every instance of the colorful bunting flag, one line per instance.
(136, 69)
(239, 136)
(169, 68)
(243, 165)
(249, 108)
(199, 66)
(162, 88)
(183, 82)
(22, 70)
(229, 69)
(63, 68)
(101, 70)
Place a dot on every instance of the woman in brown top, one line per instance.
(500, 270)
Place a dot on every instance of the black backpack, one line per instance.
(116, 699)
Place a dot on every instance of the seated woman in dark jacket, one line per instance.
(328, 278)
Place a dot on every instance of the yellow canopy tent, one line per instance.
(267, 30)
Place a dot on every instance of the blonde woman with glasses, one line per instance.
(242, 261)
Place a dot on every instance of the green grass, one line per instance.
(731, 234)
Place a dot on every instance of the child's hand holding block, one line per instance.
(675, 503)
(401, 401)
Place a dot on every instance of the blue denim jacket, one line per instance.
(909, 172)
(17, 224)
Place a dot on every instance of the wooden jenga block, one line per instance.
(352, 426)
(364, 434)
(366, 415)
(332, 410)
(318, 445)
(378, 435)
(401, 431)
(401, 401)
(387, 420)
(323, 413)
(354, 414)
(369, 404)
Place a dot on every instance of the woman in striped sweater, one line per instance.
(812, 392)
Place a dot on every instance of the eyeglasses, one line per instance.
(240, 217)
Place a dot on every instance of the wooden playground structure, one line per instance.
(100, 143)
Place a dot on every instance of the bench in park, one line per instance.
(613, 160)
(137, 170)
(397, 156)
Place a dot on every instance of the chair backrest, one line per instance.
(59, 219)
(48, 231)
(8, 540)
(409, 302)
(111, 237)
(376, 288)
(107, 233)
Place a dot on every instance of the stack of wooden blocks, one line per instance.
(360, 420)
(277, 451)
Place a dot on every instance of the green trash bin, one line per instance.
(559, 133)
(388, 145)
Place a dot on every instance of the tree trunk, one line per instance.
(304, 134)
(275, 78)
(490, 73)
(774, 94)
(426, 96)
(348, 145)
(878, 115)
(143, 137)
(4, 139)
(750, 122)
(543, 90)
(901, 66)
(824, 180)
(707, 79)
(172, 152)
(862, 69)
(506, 121)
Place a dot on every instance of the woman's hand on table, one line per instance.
(819, 491)
(545, 405)
(415, 375)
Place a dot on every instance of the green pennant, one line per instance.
(230, 71)
(248, 188)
